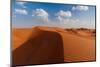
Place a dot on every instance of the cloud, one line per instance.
(80, 8)
(41, 17)
(40, 14)
(67, 21)
(22, 4)
(64, 14)
(64, 19)
(21, 11)
(64, 23)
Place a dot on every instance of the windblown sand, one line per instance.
(44, 45)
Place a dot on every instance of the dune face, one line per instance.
(19, 36)
(41, 47)
(44, 45)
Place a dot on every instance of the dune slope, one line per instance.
(42, 47)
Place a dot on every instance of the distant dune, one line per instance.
(44, 45)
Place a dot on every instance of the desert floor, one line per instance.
(44, 45)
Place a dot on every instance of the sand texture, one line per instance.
(44, 45)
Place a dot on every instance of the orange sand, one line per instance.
(43, 45)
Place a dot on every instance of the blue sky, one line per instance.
(28, 14)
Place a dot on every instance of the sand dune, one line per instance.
(19, 36)
(43, 45)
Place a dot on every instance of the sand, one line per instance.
(44, 45)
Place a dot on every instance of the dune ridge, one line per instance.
(43, 45)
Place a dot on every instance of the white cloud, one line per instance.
(74, 21)
(66, 20)
(80, 8)
(59, 18)
(69, 23)
(64, 23)
(41, 14)
(22, 4)
(62, 19)
(21, 11)
(42, 18)
(64, 14)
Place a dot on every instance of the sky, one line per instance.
(29, 14)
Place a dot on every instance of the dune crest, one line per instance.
(45, 47)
